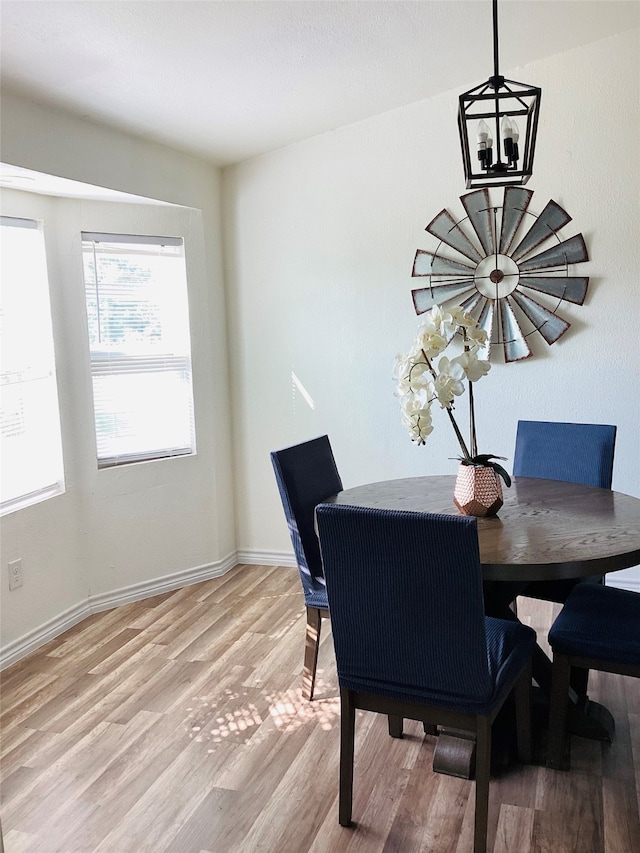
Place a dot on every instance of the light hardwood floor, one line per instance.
(176, 724)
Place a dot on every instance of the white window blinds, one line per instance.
(138, 319)
(30, 443)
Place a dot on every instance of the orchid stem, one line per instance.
(472, 409)
(463, 446)
(472, 422)
(461, 442)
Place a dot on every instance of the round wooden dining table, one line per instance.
(546, 530)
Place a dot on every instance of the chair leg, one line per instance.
(558, 711)
(522, 691)
(483, 774)
(311, 646)
(347, 739)
(579, 681)
(395, 726)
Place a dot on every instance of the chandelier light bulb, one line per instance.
(506, 127)
(483, 132)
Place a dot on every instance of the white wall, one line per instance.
(319, 242)
(116, 528)
(319, 245)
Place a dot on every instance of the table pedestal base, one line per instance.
(455, 753)
(592, 721)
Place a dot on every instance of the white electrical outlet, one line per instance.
(15, 574)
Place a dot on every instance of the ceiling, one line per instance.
(230, 80)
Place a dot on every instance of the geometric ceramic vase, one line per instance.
(478, 491)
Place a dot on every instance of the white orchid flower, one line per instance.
(420, 383)
(402, 371)
(443, 321)
(474, 367)
(431, 340)
(477, 336)
(448, 383)
(415, 403)
(463, 318)
(420, 376)
(413, 376)
(416, 417)
(423, 397)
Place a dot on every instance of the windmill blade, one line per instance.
(445, 228)
(425, 298)
(471, 302)
(550, 326)
(571, 251)
(571, 288)
(427, 263)
(552, 218)
(514, 343)
(478, 207)
(516, 202)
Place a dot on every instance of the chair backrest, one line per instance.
(405, 595)
(306, 475)
(576, 453)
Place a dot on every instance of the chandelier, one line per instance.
(498, 122)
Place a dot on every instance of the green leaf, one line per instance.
(483, 458)
(501, 471)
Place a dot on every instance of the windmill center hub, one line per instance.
(496, 276)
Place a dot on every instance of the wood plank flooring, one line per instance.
(176, 725)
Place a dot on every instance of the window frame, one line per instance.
(58, 487)
(126, 363)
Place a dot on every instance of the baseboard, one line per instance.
(17, 649)
(267, 558)
(147, 589)
(632, 584)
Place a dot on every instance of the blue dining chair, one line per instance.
(306, 474)
(575, 453)
(598, 628)
(411, 637)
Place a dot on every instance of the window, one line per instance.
(138, 317)
(30, 441)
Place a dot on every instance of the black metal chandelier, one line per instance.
(498, 122)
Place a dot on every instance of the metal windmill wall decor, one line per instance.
(501, 261)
